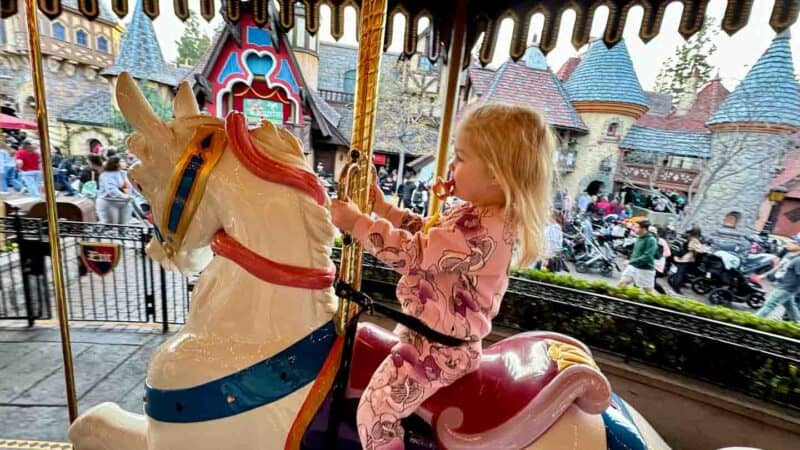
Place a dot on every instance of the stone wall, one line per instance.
(592, 148)
(745, 165)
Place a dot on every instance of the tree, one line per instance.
(691, 56)
(192, 43)
(408, 110)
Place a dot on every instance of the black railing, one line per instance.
(762, 365)
(137, 290)
(336, 96)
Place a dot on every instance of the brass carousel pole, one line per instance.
(455, 58)
(35, 53)
(357, 177)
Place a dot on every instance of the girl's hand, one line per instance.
(344, 215)
(379, 204)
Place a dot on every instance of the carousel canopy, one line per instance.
(485, 17)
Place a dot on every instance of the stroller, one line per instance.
(727, 284)
(598, 256)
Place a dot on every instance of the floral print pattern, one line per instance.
(453, 279)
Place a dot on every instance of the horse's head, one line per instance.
(160, 145)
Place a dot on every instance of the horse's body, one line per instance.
(236, 319)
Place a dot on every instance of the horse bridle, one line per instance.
(188, 185)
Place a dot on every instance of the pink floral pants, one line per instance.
(414, 371)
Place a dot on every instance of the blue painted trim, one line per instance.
(231, 67)
(184, 189)
(253, 387)
(259, 37)
(259, 64)
(286, 75)
(621, 431)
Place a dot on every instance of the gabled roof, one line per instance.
(673, 142)
(481, 79)
(539, 88)
(708, 100)
(606, 75)
(567, 68)
(94, 109)
(769, 92)
(140, 54)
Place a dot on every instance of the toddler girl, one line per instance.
(455, 272)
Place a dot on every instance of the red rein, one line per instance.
(266, 168)
(268, 270)
(241, 143)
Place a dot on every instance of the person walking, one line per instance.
(661, 263)
(785, 280)
(641, 266)
(113, 200)
(687, 260)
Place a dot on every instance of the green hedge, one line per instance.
(719, 313)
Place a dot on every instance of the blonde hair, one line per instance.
(517, 146)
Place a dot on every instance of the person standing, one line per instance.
(641, 266)
(29, 165)
(113, 198)
(583, 201)
(408, 188)
(785, 280)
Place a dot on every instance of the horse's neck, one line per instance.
(234, 305)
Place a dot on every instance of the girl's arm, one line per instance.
(398, 217)
(400, 249)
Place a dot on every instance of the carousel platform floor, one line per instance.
(110, 365)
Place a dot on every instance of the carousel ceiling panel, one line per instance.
(485, 17)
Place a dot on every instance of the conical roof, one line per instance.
(606, 75)
(140, 54)
(534, 58)
(769, 92)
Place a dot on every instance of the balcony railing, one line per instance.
(336, 96)
(668, 177)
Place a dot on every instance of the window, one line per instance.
(82, 38)
(349, 82)
(102, 44)
(682, 162)
(731, 219)
(425, 64)
(59, 32)
(640, 157)
(2, 31)
(612, 130)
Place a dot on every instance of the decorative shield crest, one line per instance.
(100, 258)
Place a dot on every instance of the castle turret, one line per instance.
(305, 46)
(752, 130)
(606, 92)
(140, 55)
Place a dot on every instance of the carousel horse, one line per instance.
(253, 366)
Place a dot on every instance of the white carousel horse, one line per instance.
(253, 364)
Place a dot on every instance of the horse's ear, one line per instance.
(134, 106)
(185, 104)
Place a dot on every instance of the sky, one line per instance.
(735, 54)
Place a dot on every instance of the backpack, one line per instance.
(89, 189)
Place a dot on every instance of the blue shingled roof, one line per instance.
(674, 142)
(140, 55)
(606, 75)
(769, 92)
(94, 109)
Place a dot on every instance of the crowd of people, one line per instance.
(100, 176)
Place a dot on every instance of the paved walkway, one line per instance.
(110, 365)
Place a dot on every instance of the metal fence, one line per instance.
(137, 290)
